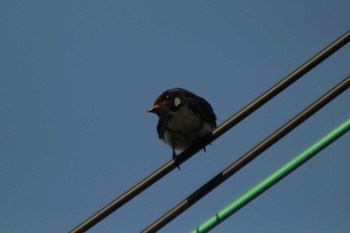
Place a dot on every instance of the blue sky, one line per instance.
(77, 77)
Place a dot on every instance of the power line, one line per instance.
(248, 157)
(274, 178)
(220, 130)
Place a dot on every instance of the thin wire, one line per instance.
(248, 157)
(274, 178)
(224, 127)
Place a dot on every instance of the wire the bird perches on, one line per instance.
(248, 157)
(224, 127)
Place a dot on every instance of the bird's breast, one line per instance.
(184, 120)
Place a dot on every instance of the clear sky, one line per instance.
(76, 80)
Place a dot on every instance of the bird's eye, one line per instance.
(166, 97)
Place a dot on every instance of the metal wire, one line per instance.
(273, 179)
(248, 157)
(224, 127)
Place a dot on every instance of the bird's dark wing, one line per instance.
(162, 123)
(200, 105)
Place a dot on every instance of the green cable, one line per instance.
(273, 179)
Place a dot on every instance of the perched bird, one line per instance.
(184, 118)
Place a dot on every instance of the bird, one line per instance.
(184, 118)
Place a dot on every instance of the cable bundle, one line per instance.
(220, 130)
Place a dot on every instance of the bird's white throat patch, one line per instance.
(177, 102)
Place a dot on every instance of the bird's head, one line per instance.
(171, 99)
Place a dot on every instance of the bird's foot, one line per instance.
(175, 159)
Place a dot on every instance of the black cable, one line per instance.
(224, 127)
(248, 157)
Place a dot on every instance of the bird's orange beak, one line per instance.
(155, 109)
(158, 106)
